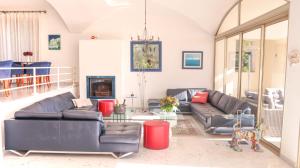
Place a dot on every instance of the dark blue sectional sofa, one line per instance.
(55, 125)
(219, 114)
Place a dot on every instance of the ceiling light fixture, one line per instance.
(145, 36)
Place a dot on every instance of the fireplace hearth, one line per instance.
(101, 87)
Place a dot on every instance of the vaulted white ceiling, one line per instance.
(78, 15)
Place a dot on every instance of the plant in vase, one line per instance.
(169, 104)
(120, 108)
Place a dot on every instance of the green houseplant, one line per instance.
(169, 104)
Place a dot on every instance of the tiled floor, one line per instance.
(184, 152)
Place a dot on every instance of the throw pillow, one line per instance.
(200, 97)
(82, 102)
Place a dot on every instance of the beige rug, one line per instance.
(187, 126)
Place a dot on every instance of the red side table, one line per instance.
(106, 107)
(156, 134)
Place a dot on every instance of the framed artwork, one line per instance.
(54, 42)
(192, 60)
(147, 62)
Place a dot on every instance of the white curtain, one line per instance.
(19, 32)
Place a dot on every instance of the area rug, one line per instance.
(187, 126)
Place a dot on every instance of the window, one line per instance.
(19, 33)
(219, 70)
(274, 81)
(232, 68)
(251, 67)
(230, 21)
(250, 8)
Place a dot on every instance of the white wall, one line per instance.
(177, 34)
(50, 23)
(290, 136)
(100, 58)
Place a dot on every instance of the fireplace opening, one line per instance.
(101, 87)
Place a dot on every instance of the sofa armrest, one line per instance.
(247, 120)
(37, 115)
(82, 115)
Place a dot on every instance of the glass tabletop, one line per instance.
(136, 114)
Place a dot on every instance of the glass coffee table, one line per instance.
(136, 115)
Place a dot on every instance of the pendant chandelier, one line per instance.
(146, 37)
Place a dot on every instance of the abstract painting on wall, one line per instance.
(145, 56)
(192, 60)
(54, 42)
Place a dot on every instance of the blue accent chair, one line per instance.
(39, 72)
(5, 74)
(18, 72)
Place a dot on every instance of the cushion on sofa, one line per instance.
(52, 104)
(240, 105)
(205, 111)
(67, 98)
(192, 92)
(180, 94)
(200, 97)
(230, 104)
(210, 95)
(37, 115)
(216, 98)
(223, 102)
(82, 115)
(82, 102)
(124, 133)
(36, 107)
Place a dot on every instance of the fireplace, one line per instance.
(100, 87)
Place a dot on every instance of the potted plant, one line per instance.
(120, 108)
(169, 104)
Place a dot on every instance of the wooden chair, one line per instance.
(5, 73)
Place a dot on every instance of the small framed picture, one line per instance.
(54, 42)
(192, 59)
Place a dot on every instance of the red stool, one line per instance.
(156, 134)
(106, 107)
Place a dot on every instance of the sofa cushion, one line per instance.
(223, 102)
(67, 99)
(216, 98)
(82, 115)
(192, 92)
(36, 107)
(87, 108)
(37, 115)
(124, 133)
(210, 95)
(205, 111)
(240, 105)
(230, 105)
(184, 106)
(51, 104)
(200, 97)
(180, 94)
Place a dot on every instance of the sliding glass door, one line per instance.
(273, 83)
(219, 70)
(250, 69)
(232, 66)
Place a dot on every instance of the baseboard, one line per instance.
(288, 161)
